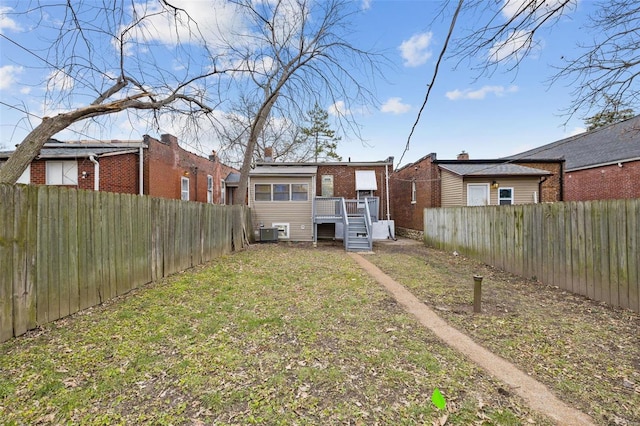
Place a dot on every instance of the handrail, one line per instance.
(345, 223)
(367, 221)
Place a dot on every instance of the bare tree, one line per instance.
(299, 55)
(604, 74)
(280, 133)
(107, 57)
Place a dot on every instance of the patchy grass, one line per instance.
(273, 335)
(586, 352)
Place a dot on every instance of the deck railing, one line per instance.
(333, 207)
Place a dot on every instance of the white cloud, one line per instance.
(338, 108)
(511, 8)
(515, 45)
(366, 4)
(576, 131)
(7, 23)
(59, 81)
(481, 93)
(395, 106)
(415, 51)
(8, 75)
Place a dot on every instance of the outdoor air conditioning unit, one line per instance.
(269, 235)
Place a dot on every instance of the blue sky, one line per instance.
(487, 116)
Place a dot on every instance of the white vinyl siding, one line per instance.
(296, 213)
(452, 190)
(62, 172)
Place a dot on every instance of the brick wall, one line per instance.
(166, 163)
(344, 182)
(425, 175)
(604, 183)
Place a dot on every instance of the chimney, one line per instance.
(268, 154)
(463, 156)
(168, 139)
(214, 156)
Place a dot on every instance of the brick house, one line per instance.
(304, 201)
(430, 183)
(166, 169)
(601, 164)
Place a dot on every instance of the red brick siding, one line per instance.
(118, 173)
(604, 183)
(425, 174)
(166, 163)
(344, 182)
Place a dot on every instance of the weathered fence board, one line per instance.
(589, 248)
(64, 250)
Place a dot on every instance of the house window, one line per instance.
(184, 192)
(223, 191)
(505, 196)
(366, 181)
(283, 229)
(413, 192)
(263, 192)
(281, 192)
(300, 192)
(62, 172)
(25, 177)
(209, 189)
(327, 185)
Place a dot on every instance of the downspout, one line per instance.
(543, 179)
(386, 176)
(96, 172)
(561, 181)
(141, 170)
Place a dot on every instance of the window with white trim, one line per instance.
(299, 192)
(413, 192)
(62, 172)
(209, 189)
(281, 192)
(505, 196)
(262, 192)
(184, 188)
(223, 191)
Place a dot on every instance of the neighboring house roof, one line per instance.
(280, 169)
(56, 149)
(464, 168)
(232, 179)
(611, 144)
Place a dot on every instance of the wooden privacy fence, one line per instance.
(63, 250)
(590, 248)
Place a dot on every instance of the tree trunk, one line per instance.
(256, 130)
(30, 147)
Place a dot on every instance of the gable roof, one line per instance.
(466, 168)
(607, 145)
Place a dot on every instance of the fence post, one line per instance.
(477, 293)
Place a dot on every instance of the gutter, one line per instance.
(96, 172)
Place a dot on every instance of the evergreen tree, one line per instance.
(320, 136)
(609, 116)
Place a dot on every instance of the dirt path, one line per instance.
(533, 392)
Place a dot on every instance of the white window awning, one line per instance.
(366, 180)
